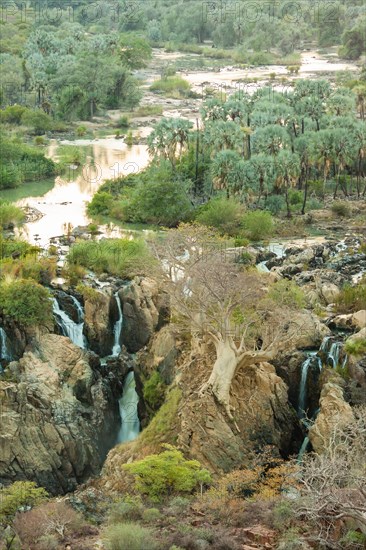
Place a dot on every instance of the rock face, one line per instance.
(310, 331)
(262, 416)
(59, 418)
(350, 321)
(100, 315)
(145, 309)
(334, 412)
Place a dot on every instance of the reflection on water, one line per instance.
(65, 204)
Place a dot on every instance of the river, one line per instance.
(62, 204)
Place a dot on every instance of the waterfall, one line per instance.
(302, 391)
(333, 355)
(130, 423)
(5, 353)
(303, 449)
(117, 328)
(68, 327)
(324, 344)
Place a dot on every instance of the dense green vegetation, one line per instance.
(122, 257)
(268, 150)
(167, 473)
(21, 163)
(26, 301)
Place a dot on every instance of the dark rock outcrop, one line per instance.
(145, 309)
(59, 418)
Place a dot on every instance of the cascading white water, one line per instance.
(130, 423)
(117, 328)
(333, 355)
(5, 352)
(324, 344)
(302, 390)
(303, 449)
(69, 328)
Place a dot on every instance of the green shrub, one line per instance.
(129, 139)
(41, 270)
(12, 114)
(172, 86)
(38, 120)
(351, 298)
(160, 202)
(295, 197)
(123, 122)
(26, 302)
(90, 294)
(9, 213)
(131, 536)
(355, 347)
(167, 473)
(122, 257)
(10, 247)
(101, 204)
(150, 515)
(128, 509)
(258, 225)
(17, 495)
(222, 214)
(287, 293)
(39, 140)
(154, 391)
(283, 515)
(340, 209)
(275, 204)
(81, 131)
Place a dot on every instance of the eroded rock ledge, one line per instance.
(59, 416)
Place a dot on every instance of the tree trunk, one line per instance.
(222, 374)
(305, 194)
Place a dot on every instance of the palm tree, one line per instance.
(225, 170)
(287, 171)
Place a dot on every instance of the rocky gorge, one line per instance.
(63, 396)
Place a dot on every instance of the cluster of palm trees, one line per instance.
(269, 142)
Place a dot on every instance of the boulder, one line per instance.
(350, 321)
(329, 292)
(59, 417)
(145, 310)
(310, 332)
(334, 413)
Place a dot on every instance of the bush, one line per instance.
(283, 515)
(27, 302)
(81, 131)
(101, 204)
(355, 347)
(55, 518)
(258, 225)
(19, 495)
(123, 257)
(351, 298)
(159, 201)
(287, 293)
(173, 86)
(275, 204)
(38, 120)
(154, 391)
(166, 473)
(12, 114)
(130, 508)
(151, 515)
(222, 214)
(10, 214)
(129, 536)
(340, 209)
(41, 270)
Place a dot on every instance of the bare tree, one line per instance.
(218, 300)
(333, 484)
